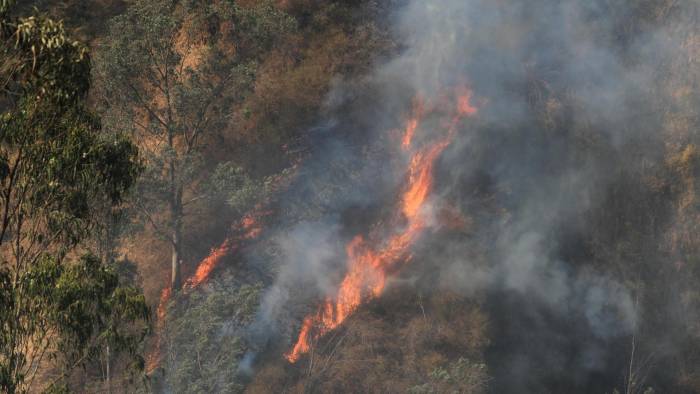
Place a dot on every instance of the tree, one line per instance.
(56, 169)
(169, 72)
(206, 338)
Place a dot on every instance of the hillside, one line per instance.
(389, 196)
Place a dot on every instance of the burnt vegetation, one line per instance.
(350, 196)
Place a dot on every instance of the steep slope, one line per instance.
(560, 246)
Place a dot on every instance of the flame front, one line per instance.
(249, 228)
(368, 266)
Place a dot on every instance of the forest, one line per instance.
(350, 196)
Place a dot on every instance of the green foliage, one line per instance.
(85, 21)
(260, 27)
(169, 76)
(57, 171)
(56, 166)
(67, 311)
(38, 56)
(233, 184)
(461, 376)
(54, 162)
(204, 337)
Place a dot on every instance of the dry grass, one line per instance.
(389, 346)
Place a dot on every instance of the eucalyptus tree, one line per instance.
(59, 305)
(171, 72)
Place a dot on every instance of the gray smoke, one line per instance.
(519, 57)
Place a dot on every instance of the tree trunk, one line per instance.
(109, 378)
(176, 215)
(175, 277)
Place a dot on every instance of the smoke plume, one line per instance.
(562, 89)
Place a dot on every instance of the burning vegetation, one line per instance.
(246, 230)
(473, 196)
(369, 263)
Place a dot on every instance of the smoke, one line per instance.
(312, 255)
(562, 88)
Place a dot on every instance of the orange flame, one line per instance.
(412, 123)
(207, 265)
(249, 227)
(252, 229)
(154, 357)
(368, 266)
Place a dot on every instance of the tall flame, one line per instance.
(367, 265)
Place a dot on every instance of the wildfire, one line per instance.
(412, 123)
(367, 265)
(154, 357)
(208, 264)
(248, 228)
(251, 228)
